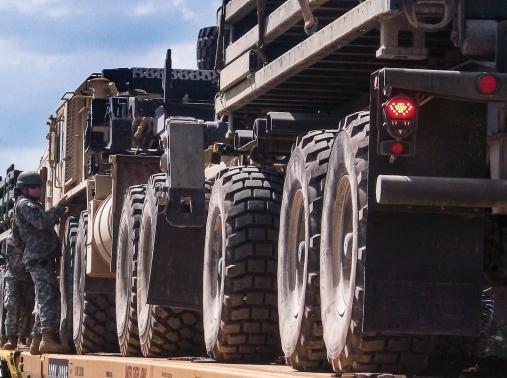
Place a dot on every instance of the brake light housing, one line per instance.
(400, 116)
(400, 108)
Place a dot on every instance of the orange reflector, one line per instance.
(400, 107)
(487, 84)
(397, 148)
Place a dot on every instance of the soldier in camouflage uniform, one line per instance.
(19, 296)
(33, 228)
(3, 338)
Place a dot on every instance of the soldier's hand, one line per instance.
(64, 201)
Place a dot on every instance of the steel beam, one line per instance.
(235, 10)
(277, 23)
(340, 32)
(238, 70)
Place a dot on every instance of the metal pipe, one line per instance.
(307, 16)
(440, 191)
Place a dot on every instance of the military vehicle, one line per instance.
(340, 130)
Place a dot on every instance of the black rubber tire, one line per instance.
(163, 331)
(240, 265)
(94, 326)
(126, 271)
(299, 270)
(67, 281)
(454, 348)
(344, 225)
(207, 48)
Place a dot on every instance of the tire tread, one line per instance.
(249, 317)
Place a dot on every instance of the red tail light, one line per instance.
(487, 84)
(397, 148)
(400, 108)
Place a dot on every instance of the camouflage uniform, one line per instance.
(41, 247)
(19, 295)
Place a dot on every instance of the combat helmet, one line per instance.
(28, 178)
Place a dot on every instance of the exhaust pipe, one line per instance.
(440, 191)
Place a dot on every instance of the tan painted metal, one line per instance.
(98, 366)
(102, 231)
(103, 88)
(30, 366)
(97, 262)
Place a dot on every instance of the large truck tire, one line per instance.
(454, 348)
(207, 48)
(126, 271)
(94, 328)
(240, 264)
(67, 281)
(343, 253)
(298, 252)
(163, 331)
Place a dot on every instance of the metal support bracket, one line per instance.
(185, 168)
(389, 40)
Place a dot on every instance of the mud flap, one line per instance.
(424, 273)
(177, 266)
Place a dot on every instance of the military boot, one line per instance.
(34, 346)
(49, 344)
(23, 341)
(11, 344)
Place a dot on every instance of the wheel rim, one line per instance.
(145, 262)
(217, 268)
(78, 289)
(342, 250)
(123, 292)
(296, 256)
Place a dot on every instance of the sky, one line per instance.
(49, 47)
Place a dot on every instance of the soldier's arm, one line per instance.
(14, 257)
(39, 218)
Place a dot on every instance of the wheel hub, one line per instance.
(343, 240)
(217, 269)
(297, 254)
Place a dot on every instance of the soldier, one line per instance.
(33, 232)
(19, 296)
(3, 338)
